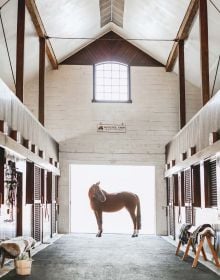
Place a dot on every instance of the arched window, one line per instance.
(111, 82)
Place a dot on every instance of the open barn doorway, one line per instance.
(137, 179)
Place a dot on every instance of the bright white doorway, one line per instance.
(137, 179)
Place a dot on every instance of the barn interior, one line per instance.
(121, 92)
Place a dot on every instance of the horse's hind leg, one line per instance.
(134, 220)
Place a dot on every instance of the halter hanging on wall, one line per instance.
(11, 184)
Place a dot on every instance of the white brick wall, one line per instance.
(151, 120)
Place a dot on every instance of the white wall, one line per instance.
(151, 120)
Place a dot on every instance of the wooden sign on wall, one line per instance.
(111, 128)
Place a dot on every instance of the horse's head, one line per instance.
(96, 192)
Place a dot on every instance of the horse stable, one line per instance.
(108, 105)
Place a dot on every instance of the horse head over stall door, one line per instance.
(101, 201)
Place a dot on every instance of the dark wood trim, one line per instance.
(191, 151)
(213, 137)
(29, 182)
(49, 187)
(175, 189)
(183, 156)
(42, 45)
(15, 135)
(20, 50)
(204, 50)
(43, 185)
(41, 153)
(111, 47)
(2, 176)
(19, 228)
(183, 32)
(181, 187)
(41, 32)
(34, 148)
(182, 104)
(27, 144)
(196, 185)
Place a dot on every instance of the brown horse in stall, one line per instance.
(101, 201)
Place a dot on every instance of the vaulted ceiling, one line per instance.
(151, 25)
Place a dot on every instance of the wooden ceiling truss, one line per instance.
(41, 32)
(183, 32)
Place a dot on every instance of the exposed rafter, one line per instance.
(182, 100)
(183, 32)
(33, 11)
(20, 50)
(42, 47)
(204, 50)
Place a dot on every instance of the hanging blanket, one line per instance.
(18, 245)
(184, 234)
(200, 230)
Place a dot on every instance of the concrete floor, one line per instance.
(112, 257)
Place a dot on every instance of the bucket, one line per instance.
(23, 267)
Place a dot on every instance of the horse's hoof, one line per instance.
(98, 235)
(134, 235)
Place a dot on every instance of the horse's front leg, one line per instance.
(98, 215)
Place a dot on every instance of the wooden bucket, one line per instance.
(23, 267)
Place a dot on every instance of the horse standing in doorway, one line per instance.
(101, 201)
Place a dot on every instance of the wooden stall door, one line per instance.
(196, 186)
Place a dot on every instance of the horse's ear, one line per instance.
(98, 183)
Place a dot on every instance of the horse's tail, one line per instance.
(138, 213)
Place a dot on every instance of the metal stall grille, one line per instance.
(37, 204)
(213, 184)
(188, 196)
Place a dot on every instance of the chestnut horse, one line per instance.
(101, 201)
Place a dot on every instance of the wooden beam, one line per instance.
(42, 45)
(183, 32)
(36, 19)
(182, 101)
(204, 49)
(20, 50)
